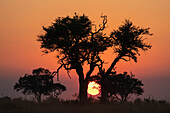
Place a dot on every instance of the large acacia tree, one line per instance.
(77, 42)
(128, 40)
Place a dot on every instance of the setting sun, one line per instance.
(93, 88)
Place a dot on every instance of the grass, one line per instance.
(25, 106)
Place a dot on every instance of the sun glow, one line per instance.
(93, 88)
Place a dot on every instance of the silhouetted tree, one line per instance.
(57, 89)
(77, 41)
(39, 83)
(122, 85)
(5, 99)
(128, 40)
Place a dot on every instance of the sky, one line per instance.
(22, 20)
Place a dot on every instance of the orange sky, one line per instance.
(22, 20)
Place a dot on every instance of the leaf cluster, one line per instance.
(128, 40)
(67, 36)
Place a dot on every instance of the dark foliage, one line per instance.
(71, 106)
(39, 83)
(128, 40)
(123, 85)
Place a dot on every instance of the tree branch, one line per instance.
(113, 64)
(117, 97)
(103, 25)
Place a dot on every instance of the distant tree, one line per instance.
(128, 40)
(5, 99)
(77, 41)
(122, 85)
(39, 83)
(57, 89)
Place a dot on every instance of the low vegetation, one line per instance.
(19, 105)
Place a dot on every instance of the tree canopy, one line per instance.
(123, 85)
(128, 40)
(39, 83)
(74, 40)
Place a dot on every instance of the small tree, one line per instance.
(57, 89)
(39, 83)
(122, 85)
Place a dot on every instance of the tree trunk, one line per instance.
(38, 97)
(113, 65)
(83, 90)
(104, 89)
(83, 84)
(104, 80)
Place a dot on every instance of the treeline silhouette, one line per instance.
(50, 105)
(79, 42)
(41, 82)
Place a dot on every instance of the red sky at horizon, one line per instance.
(22, 20)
